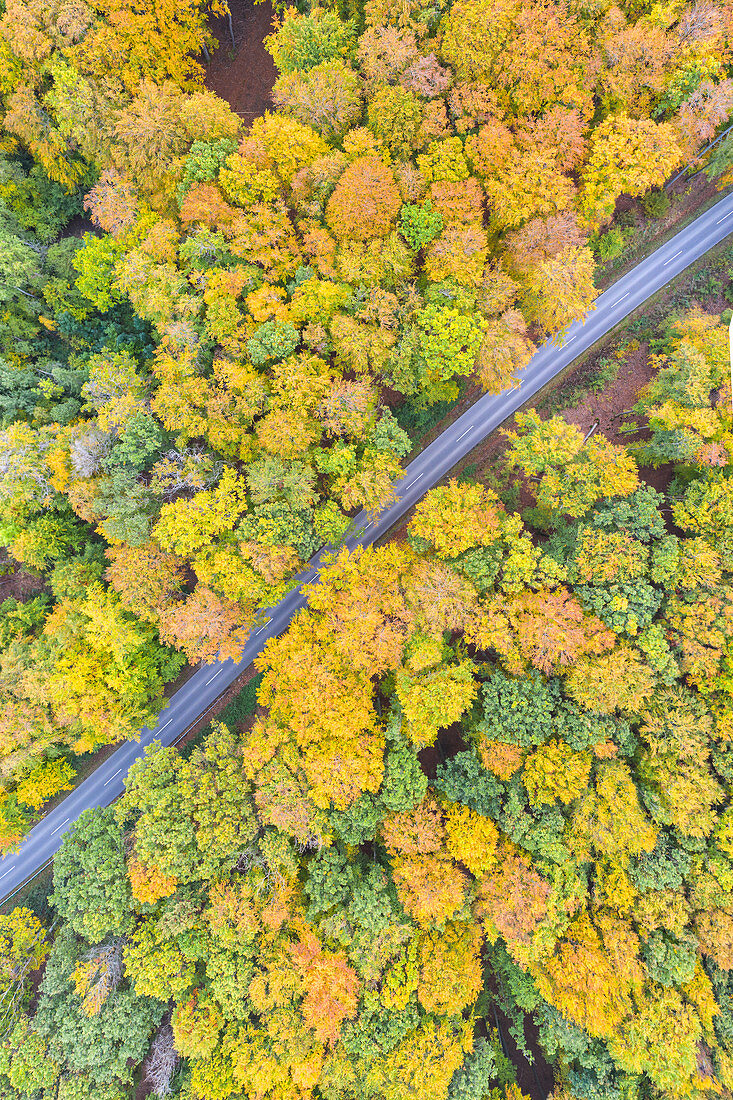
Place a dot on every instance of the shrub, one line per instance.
(609, 245)
(656, 204)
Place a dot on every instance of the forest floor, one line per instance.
(243, 76)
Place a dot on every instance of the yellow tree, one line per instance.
(455, 517)
(592, 979)
(433, 700)
(627, 156)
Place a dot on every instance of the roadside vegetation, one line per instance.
(202, 391)
(489, 767)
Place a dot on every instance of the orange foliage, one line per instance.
(430, 887)
(365, 202)
(148, 883)
(331, 987)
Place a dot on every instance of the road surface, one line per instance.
(198, 694)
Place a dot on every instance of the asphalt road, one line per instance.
(197, 695)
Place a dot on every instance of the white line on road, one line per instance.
(166, 723)
(6, 872)
(113, 776)
(213, 677)
(60, 826)
(620, 299)
(669, 261)
(412, 483)
(566, 342)
(368, 526)
(460, 437)
(724, 217)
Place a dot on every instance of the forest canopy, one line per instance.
(203, 389)
(490, 764)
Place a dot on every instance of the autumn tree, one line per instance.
(626, 156)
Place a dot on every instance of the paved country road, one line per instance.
(197, 695)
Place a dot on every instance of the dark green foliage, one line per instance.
(539, 830)
(330, 881)
(19, 392)
(293, 526)
(462, 779)
(126, 506)
(669, 961)
(378, 1032)
(662, 869)
(521, 711)
(106, 1045)
(656, 204)
(721, 159)
(203, 162)
(91, 890)
(626, 607)
(608, 245)
(387, 435)
(474, 1079)
(638, 515)
(361, 821)
(373, 902)
(141, 440)
(243, 704)
(723, 762)
(39, 205)
(417, 419)
(404, 784)
(480, 565)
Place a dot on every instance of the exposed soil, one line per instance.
(243, 76)
(78, 226)
(19, 584)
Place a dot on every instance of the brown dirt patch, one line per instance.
(19, 584)
(243, 76)
(619, 396)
